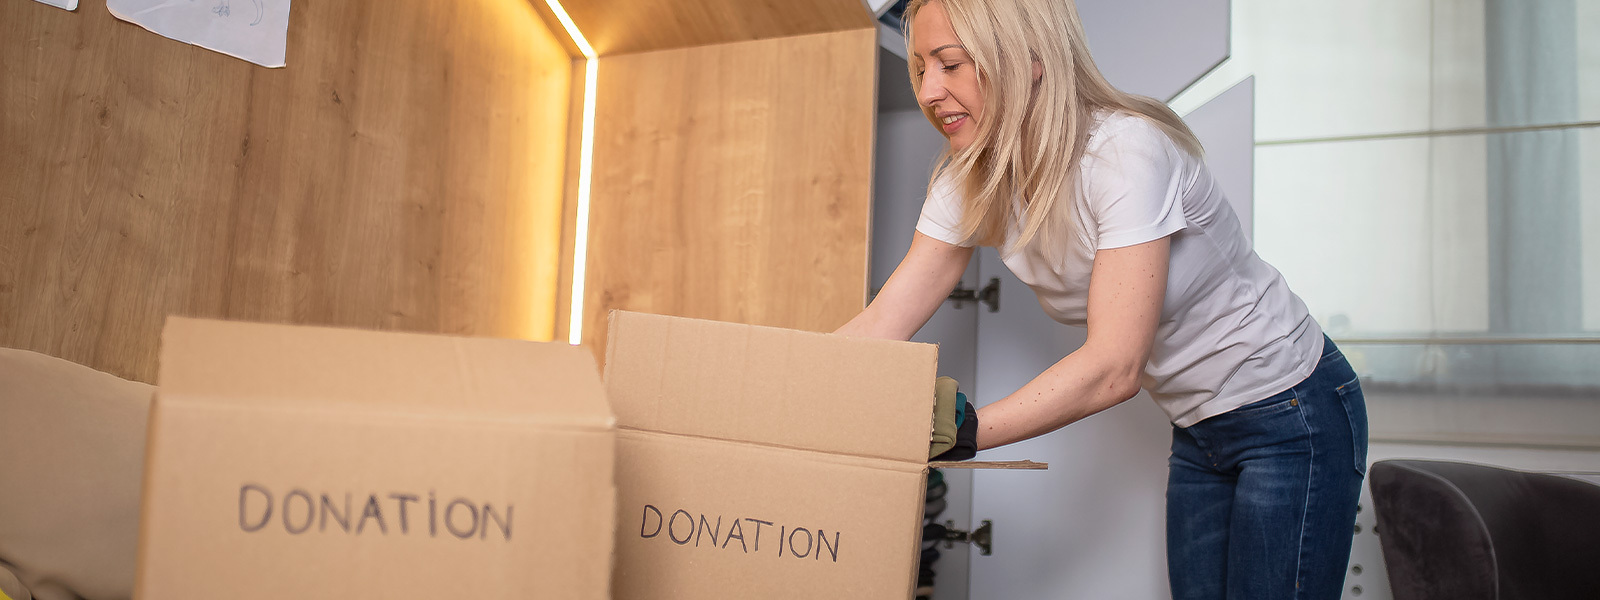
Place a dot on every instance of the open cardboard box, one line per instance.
(303, 462)
(755, 462)
(751, 462)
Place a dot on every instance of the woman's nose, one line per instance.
(932, 91)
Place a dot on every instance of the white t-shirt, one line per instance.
(1231, 332)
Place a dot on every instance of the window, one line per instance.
(1428, 180)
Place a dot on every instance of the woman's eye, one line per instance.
(948, 68)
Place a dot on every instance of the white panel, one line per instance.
(1226, 127)
(1459, 72)
(1459, 232)
(1345, 220)
(1093, 526)
(1337, 68)
(1588, 24)
(878, 7)
(1366, 67)
(1589, 208)
(1405, 216)
(1528, 418)
(1155, 47)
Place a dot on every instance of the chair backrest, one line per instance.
(1465, 531)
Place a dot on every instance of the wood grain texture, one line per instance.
(733, 182)
(625, 26)
(1023, 465)
(404, 172)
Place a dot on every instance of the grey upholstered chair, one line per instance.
(1462, 531)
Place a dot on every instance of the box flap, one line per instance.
(260, 365)
(766, 385)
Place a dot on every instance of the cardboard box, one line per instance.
(755, 462)
(300, 462)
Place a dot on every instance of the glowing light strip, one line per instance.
(572, 28)
(580, 245)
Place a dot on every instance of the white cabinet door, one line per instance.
(1091, 526)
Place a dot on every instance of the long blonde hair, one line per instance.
(1031, 137)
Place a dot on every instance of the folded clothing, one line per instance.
(966, 445)
(945, 408)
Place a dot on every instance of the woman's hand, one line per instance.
(1126, 288)
(915, 290)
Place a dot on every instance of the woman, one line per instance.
(1099, 201)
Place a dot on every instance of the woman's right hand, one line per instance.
(922, 281)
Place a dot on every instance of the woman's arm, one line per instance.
(915, 290)
(1126, 289)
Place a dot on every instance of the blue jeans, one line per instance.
(1261, 500)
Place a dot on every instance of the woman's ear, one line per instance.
(1038, 70)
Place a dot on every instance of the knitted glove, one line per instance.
(966, 445)
(945, 408)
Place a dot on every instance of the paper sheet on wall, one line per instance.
(253, 30)
(67, 4)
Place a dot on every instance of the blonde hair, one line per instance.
(1031, 137)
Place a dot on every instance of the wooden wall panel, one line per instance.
(624, 26)
(404, 172)
(733, 182)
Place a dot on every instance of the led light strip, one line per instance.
(580, 246)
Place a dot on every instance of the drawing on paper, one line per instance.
(224, 9)
(258, 32)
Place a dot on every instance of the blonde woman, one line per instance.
(1100, 202)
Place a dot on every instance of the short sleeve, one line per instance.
(1133, 184)
(941, 214)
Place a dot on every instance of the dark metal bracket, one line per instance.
(988, 296)
(980, 537)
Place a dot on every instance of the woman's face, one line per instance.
(949, 77)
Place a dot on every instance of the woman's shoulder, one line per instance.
(1127, 144)
(1123, 130)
